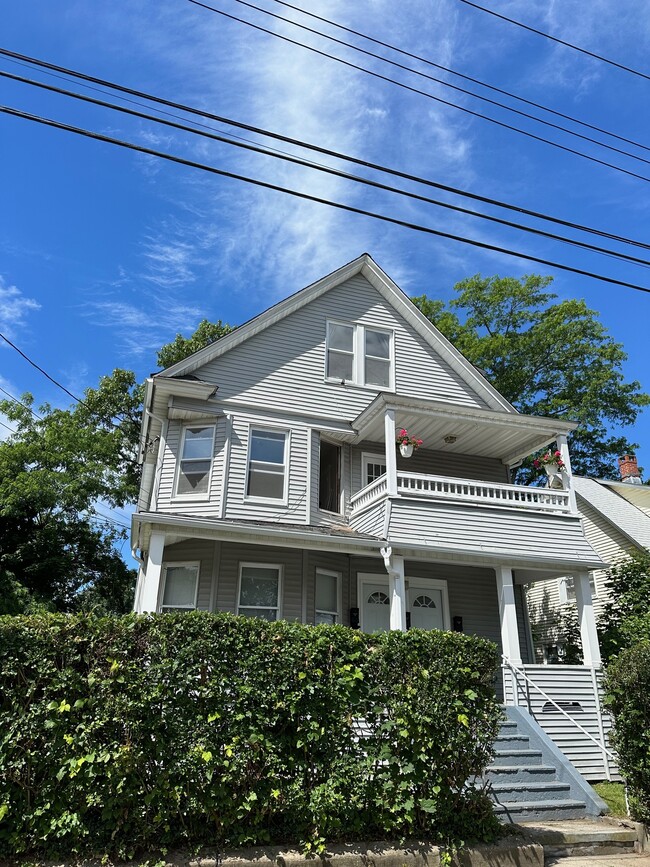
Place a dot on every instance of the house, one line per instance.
(273, 487)
(616, 520)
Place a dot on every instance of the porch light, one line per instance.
(450, 440)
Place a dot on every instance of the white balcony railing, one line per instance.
(466, 491)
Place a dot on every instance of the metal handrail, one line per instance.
(514, 668)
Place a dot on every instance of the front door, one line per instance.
(426, 603)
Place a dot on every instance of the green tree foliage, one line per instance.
(181, 347)
(547, 357)
(626, 617)
(125, 735)
(57, 474)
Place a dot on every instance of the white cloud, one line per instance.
(14, 308)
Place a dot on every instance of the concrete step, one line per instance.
(512, 739)
(528, 792)
(526, 811)
(613, 859)
(519, 773)
(583, 838)
(512, 757)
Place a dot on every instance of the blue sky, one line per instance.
(106, 254)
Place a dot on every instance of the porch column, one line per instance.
(587, 620)
(563, 448)
(508, 615)
(396, 589)
(150, 586)
(391, 457)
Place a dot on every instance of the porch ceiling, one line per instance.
(506, 436)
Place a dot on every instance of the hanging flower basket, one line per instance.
(407, 444)
(551, 462)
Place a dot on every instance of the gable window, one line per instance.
(359, 354)
(259, 591)
(328, 593)
(372, 467)
(329, 481)
(196, 460)
(180, 587)
(267, 464)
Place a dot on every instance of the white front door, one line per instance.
(427, 603)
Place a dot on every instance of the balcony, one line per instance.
(468, 519)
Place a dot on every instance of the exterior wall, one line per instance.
(207, 555)
(284, 365)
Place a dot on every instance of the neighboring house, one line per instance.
(273, 487)
(616, 520)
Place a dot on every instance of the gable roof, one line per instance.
(615, 508)
(394, 296)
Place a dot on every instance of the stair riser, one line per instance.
(552, 814)
(513, 741)
(516, 758)
(585, 850)
(546, 794)
(520, 774)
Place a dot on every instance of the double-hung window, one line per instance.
(359, 354)
(180, 587)
(328, 597)
(196, 461)
(267, 464)
(259, 591)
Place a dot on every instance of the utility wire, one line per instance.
(326, 169)
(40, 369)
(20, 403)
(559, 41)
(310, 198)
(441, 81)
(44, 65)
(424, 93)
(8, 428)
(465, 77)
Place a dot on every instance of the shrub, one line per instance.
(190, 729)
(627, 694)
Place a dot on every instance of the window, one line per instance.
(196, 461)
(267, 464)
(329, 477)
(259, 591)
(567, 588)
(180, 587)
(359, 354)
(328, 609)
(372, 467)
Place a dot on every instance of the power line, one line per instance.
(559, 41)
(8, 428)
(327, 169)
(424, 93)
(439, 81)
(316, 199)
(41, 64)
(40, 369)
(465, 77)
(20, 403)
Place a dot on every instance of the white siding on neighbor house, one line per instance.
(284, 365)
(564, 684)
(204, 506)
(206, 553)
(238, 506)
(509, 533)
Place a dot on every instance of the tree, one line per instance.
(57, 473)
(181, 347)
(626, 617)
(547, 358)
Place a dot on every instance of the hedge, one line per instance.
(627, 695)
(134, 734)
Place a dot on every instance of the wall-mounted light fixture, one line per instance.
(450, 440)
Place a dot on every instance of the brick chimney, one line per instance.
(629, 470)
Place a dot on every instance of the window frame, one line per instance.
(370, 458)
(268, 501)
(341, 497)
(280, 570)
(179, 462)
(359, 354)
(183, 564)
(330, 573)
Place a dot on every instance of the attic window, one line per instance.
(359, 354)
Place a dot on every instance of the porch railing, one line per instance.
(579, 690)
(466, 491)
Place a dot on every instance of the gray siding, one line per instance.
(193, 550)
(200, 506)
(285, 364)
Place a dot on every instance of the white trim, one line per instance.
(280, 570)
(268, 501)
(226, 467)
(339, 592)
(366, 458)
(411, 583)
(508, 614)
(180, 564)
(199, 497)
